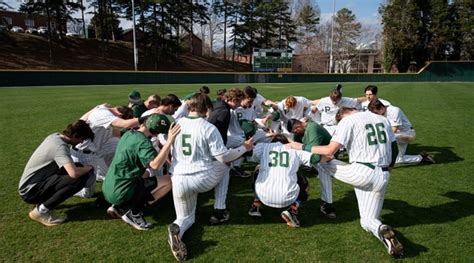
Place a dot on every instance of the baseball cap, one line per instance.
(134, 96)
(248, 127)
(157, 123)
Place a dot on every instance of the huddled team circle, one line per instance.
(192, 145)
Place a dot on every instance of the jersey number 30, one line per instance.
(377, 134)
(279, 159)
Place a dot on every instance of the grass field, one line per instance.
(431, 206)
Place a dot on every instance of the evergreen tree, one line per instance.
(346, 31)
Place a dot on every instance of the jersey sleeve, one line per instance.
(62, 155)
(304, 157)
(146, 152)
(395, 116)
(343, 132)
(215, 142)
(257, 152)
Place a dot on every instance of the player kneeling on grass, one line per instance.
(50, 176)
(126, 185)
(199, 164)
(371, 146)
(277, 183)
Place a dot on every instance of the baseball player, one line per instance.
(290, 108)
(198, 165)
(312, 134)
(277, 184)
(125, 186)
(102, 120)
(50, 176)
(328, 107)
(153, 101)
(404, 132)
(371, 94)
(370, 143)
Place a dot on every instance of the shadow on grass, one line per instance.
(441, 155)
(411, 249)
(461, 206)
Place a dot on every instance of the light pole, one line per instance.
(135, 53)
(331, 59)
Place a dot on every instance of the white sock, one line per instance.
(42, 209)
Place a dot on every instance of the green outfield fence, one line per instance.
(433, 71)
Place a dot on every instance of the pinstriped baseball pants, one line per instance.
(369, 186)
(187, 187)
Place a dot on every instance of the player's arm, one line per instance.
(396, 129)
(121, 123)
(162, 156)
(232, 154)
(75, 172)
(328, 150)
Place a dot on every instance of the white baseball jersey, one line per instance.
(195, 147)
(100, 120)
(296, 112)
(182, 111)
(367, 138)
(245, 113)
(397, 118)
(276, 184)
(405, 135)
(235, 130)
(329, 110)
(365, 104)
(257, 104)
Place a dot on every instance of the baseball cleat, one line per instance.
(178, 248)
(290, 219)
(394, 247)
(427, 158)
(254, 211)
(219, 216)
(328, 210)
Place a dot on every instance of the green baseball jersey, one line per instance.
(315, 134)
(134, 153)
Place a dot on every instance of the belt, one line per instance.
(371, 166)
(85, 151)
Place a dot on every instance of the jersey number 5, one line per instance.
(279, 159)
(377, 134)
(187, 150)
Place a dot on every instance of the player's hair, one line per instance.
(342, 111)
(171, 99)
(372, 88)
(250, 92)
(375, 105)
(127, 113)
(279, 138)
(199, 103)
(221, 94)
(153, 101)
(204, 89)
(335, 95)
(292, 123)
(234, 94)
(290, 102)
(79, 129)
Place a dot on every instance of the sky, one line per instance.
(366, 11)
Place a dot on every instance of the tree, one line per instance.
(224, 9)
(462, 13)
(307, 21)
(4, 5)
(346, 31)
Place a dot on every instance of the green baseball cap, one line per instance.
(134, 96)
(248, 127)
(275, 115)
(158, 123)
